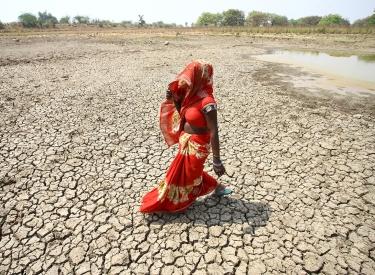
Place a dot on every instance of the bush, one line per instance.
(65, 20)
(233, 17)
(81, 19)
(28, 20)
(309, 20)
(371, 20)
(334, 20)
(46, 20)
(2, 26)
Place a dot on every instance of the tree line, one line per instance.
(231, 17)
(47, 20)
(234, 17)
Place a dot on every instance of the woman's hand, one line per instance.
(168, 94)
(219, 171)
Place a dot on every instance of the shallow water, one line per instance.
(342, 72)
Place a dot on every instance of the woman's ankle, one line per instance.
(220, 187)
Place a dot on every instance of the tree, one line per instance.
(371, 20)
(207, 19)
(257, 19)
(233, 17)
(333, 20)
(28, 20)
(46, 19)
(171, 25)
(127, 23)
(141, 22)
(65, 20)
(345, 22)
(81, 19)
(159, 24)
(309, 20)
(294, 22)
(360, 22)
(96, 21)
(278, 20)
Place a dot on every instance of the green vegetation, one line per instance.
(294, 22)
(141, 22)
(125, 24)
(209, 19)
(309, 21)
(81, 19)
(46, 20)
(170, 30)
(65, 20)
(367, 58)
(28, 20)
(257, 19)
(367, 21)
(334, 20)
(230, 17)
(233, 17)
(371, 20)
(299, 30)
(161, 24)
(255, 22)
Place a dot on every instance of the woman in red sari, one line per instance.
(188, 117)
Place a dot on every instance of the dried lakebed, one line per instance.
(80, 145)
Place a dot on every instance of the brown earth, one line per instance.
(80, 145)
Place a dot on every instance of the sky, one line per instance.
(181, 12)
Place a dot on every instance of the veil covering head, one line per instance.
(192, 84)
(195, 78)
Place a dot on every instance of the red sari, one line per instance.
(185, 179)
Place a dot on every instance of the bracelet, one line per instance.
(217, 165)
(218, 157)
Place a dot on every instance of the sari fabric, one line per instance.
(191, 85)
(185, 179)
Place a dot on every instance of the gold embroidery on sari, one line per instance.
(173, 194)
(190, 147)
(178, 194)
(185, 191)
(175, 121)
(197, 181)
(162, 189)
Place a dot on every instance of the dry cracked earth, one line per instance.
(80, 145)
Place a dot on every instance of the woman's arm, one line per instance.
(177, 104)
(211, 118)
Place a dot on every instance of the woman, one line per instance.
(188, 117)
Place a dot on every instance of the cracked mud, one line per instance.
(80, 145)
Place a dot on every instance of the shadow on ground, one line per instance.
(218, 212)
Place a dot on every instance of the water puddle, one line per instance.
(344, 73)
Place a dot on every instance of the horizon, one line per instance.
(171, 12)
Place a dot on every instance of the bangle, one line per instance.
(218, 157)
(218, 164)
